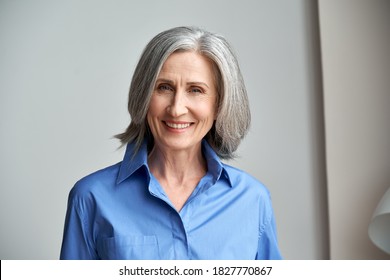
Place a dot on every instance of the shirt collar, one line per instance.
(214, 164)
(131, 163)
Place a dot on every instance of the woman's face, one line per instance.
(183, 105)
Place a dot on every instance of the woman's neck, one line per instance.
(178, 172)
(177, 166)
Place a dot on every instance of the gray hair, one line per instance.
(233, 112)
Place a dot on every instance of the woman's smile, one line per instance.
(177, 125)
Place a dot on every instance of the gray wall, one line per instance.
(64, 74)
(356, 70)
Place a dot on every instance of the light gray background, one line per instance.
(64, 75)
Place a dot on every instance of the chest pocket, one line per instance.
(130, 247)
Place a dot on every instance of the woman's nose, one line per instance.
(178, 105)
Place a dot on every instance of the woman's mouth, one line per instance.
(177, 125)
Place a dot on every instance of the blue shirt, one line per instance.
(122, 212)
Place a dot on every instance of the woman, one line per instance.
(171, 197)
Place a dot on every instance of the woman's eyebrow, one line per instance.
(198, 84)
(160, 80)
(168, 81)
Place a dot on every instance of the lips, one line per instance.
(178, 125)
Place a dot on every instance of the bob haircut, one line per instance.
(233, 112)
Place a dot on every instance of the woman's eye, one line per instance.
(164, 87)
(196, 90)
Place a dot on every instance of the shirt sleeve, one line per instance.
(77, 243)
(268, 248)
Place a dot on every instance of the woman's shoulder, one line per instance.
(97, 181)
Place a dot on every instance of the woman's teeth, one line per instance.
(178, 125)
